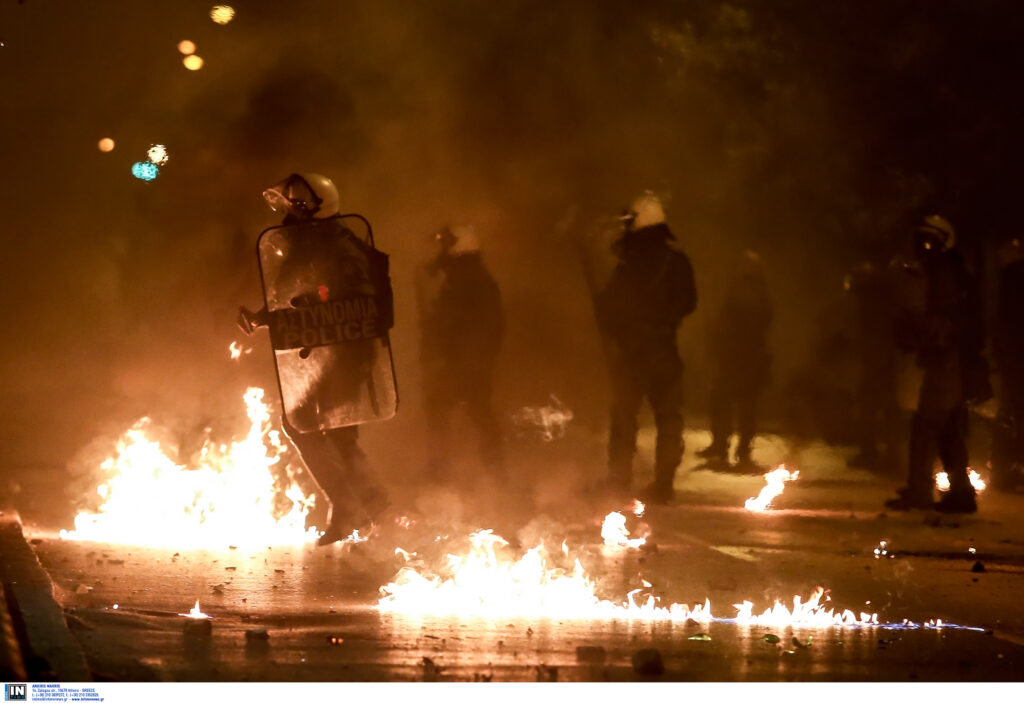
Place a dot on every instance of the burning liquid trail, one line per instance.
(484, 583)
(231, 499)
(774, 484)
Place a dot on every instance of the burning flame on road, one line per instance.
(942, 481)
(227, 500)
(638, 508)
(804, 614)
(616, 535)
(486, 583)
(195, 613)
(774, 484)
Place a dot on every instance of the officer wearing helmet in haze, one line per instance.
(462, 325)
(871, 288)
(639, 312)
(943, 326)
(739, 350)
(1008, 354)
(307, 266)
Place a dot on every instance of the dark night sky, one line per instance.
(801, 128)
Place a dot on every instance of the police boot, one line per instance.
(659, 493)
(338, 528)
(375, 502)
(716, 451)
(341, 520)
(958, 502)
(744, 464)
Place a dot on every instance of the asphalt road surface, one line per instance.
(309, 614)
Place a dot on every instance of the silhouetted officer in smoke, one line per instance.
(1008, 351)
(322, 264)
(739, 349)
(462, 324)
(942, 324)
(870, 284)
(639, 311)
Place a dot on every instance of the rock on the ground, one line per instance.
(647, 662)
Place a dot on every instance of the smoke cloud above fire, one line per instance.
(531, 121)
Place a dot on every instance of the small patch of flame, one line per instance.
(354, 538)
(942, 481)
(230, 498)
(638, 508)
(882, 550)
(976, 481)
(615, 534)
(236, 350)
(774, 484)
(195, 613)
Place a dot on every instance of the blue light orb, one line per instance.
(145, 170)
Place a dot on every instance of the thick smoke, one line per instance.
(532, 121)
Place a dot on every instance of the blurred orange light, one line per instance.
(186, 47)
(193, 62)
(222, 14)
(106, 144)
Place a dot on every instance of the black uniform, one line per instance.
(462, 329)
(639, 311)
(947, 335)
(877, 402)
(324, 386)
(1008, 346)
(739, 349)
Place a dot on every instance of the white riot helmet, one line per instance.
(305, 196)
(645, 211)
(935, 232)
(458, 239)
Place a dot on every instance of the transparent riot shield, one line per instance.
(329, 308)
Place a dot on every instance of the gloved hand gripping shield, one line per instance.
(329, 308)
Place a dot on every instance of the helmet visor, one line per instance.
(293, 196)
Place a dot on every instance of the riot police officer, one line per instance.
(462, 325)
(943, 326)
(329, 309)
(639, 312)
(742, 362)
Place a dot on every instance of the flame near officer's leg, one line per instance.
(231, 498)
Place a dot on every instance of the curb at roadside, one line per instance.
(38, 637)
